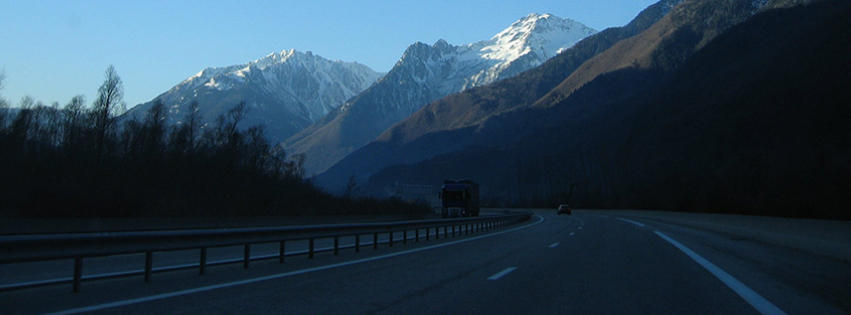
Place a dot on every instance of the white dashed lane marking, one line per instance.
(502, 273)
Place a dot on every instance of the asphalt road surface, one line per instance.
(579, 264)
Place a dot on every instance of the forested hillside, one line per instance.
(79, 161)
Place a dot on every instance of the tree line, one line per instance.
(89, 161)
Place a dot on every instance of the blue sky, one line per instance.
(53, 50)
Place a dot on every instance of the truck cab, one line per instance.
(460, 198)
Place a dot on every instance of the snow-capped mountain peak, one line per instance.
(214, 77)
(285, 91)
(525, 44)
(543, 33)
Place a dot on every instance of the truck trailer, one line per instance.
(460, 198)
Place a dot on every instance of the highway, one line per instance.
(578, 264)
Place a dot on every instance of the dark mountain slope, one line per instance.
(664, 46)
(455, 116)
(752, 123)
(757, 123)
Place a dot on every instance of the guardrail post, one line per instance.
(391, 238)
(78, 273)
(357, 243)
(417, 235)
(282, 253)
(427, 232)
(437, 232)
(375, 241)
(310, 250)
(149, 265)
(336, 245)
(247, 257)
(202, 264)
(404, 237)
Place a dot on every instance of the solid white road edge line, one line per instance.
(754, 299)
(502, 273)
(553, 245)
(282, 275)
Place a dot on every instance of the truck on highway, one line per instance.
(460, 198)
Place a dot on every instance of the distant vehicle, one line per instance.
(563, 209)
(460, 198)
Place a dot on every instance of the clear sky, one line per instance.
(53, 50)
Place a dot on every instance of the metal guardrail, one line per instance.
(31, 248)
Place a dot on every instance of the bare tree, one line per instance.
(297, 169)
(155, 128)
(193, 122)
(351, 187)
(73, 122)
(2, 78)
(3, 104)
(109, 103)
(22, 123)
(235, 115)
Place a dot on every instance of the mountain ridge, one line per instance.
(478, 104)
(285, 92)
(425, 73)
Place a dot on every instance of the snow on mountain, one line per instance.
(525, 44)
(426, 73)
(284, 91)
(539, 35)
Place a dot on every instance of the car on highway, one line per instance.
(563, 209)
